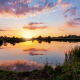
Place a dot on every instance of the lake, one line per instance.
(32, 55)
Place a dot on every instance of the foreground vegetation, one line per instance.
(69, 70)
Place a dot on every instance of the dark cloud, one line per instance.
(20, 65)
(20, 8)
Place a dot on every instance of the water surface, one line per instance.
(32, 55)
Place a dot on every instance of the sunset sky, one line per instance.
(31, 18)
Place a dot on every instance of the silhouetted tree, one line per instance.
(49, 37)
(13, 37)
(39, 37)
(40, 41)
(49, 41)
(5, 44)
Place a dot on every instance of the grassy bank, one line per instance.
(69, 70)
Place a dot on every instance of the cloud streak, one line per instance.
(5, 30)
(33, 28)
(35, 23)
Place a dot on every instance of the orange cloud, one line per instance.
(59, 1)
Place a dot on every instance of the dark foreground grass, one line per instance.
(69, 70)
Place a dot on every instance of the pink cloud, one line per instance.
(65, 16)
(20, 8)
(63, 3)
(72, 24)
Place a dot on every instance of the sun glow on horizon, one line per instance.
(28, 34)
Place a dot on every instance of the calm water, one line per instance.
(32, 55)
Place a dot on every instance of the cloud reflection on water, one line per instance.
(20, 65)
(33, 51)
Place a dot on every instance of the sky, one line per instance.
(32, 18)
